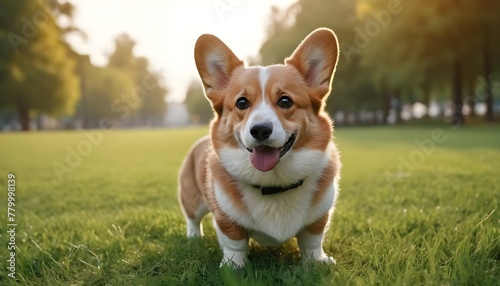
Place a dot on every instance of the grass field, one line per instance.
(418, 206)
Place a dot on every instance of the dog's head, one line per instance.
(268, 111)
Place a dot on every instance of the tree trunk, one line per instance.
(386, 106)
(458, 117)
(398, 106)
(427, 98)
(487, 76)
(471, 101)
(83, 98)
(24, 119)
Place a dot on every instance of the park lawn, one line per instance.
(418, 206)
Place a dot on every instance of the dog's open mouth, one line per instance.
(265, 158)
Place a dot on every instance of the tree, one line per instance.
(123, 57)
(83, 67)
(153, 107)
(108, 97)
(401, 62)
(36, 73)
(197, 104)
(66, 10)
(443, 45)
(485, 35)
(148, 85)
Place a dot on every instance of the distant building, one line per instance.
(177, 114)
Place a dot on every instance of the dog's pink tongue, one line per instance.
(264, 158)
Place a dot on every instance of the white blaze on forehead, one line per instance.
(264, 112)
(263, 77)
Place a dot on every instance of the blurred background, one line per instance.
(85, 64)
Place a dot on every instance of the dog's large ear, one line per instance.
(315, 59)
(215, 63)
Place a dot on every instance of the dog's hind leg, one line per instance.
(192, 205)
(191, 185)
(193, 224)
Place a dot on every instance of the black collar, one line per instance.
(271, 190)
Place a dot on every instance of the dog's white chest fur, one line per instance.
(274, 219)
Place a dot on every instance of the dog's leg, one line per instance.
(191, 184)
(194, 210)
(235, 252)
(194, 228)
(193, 224)
(311, 247)
(310, 240)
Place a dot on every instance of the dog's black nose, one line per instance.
(261, 131)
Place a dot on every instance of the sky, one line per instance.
(166, 31)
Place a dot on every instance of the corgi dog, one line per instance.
(269, 170)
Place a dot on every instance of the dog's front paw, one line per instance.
(318, 256)
(327, 259)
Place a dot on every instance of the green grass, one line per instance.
(114, 219)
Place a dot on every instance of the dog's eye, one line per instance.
(242, 103)
(285, 102)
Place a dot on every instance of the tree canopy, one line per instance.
(125, 92)
(41, 74)
(148, 90)
(36, 72)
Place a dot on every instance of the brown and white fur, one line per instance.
(261, 112)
